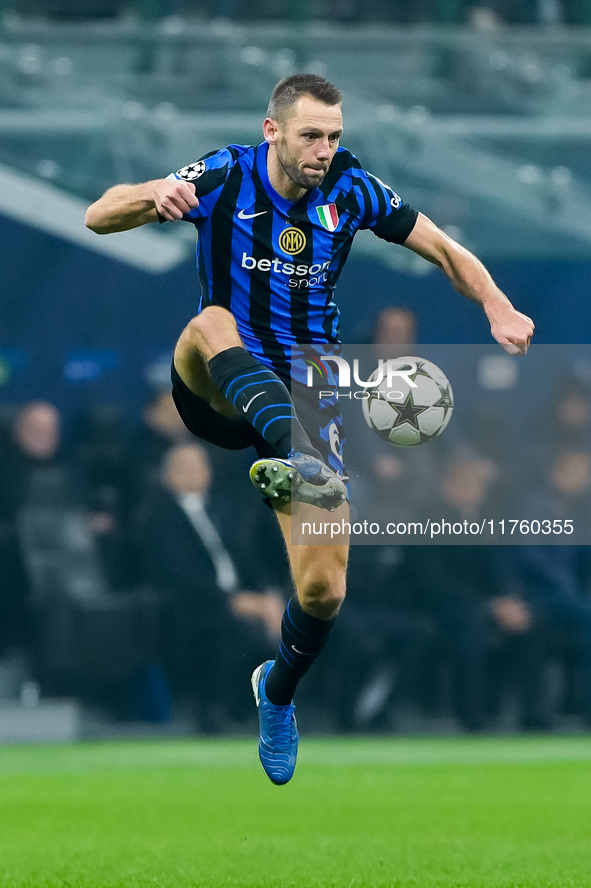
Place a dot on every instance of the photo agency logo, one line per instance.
(382, 377)
(406, 401)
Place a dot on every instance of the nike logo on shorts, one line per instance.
(243, 215)
(301, 653)
(245, 408)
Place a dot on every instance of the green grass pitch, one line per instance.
(505, 812)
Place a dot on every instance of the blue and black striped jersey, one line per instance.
(273, 263)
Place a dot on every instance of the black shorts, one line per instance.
(321, 418)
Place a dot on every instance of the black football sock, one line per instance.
(302, 639)
(261, 398)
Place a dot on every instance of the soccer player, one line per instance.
(275, 224)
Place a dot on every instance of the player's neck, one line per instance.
(280, 180)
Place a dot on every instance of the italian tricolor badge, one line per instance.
(329, 218)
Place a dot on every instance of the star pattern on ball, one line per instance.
(407, 412)
(417, 414)
(420, 371)
(446, 399)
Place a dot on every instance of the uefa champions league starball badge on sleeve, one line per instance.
(409, 401)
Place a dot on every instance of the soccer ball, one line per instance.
(404, 414)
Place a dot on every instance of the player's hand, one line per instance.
(173, 198)
(513, 330)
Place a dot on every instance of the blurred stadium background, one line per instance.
(476, 114)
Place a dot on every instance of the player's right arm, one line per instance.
(512, 329)
(129, 206)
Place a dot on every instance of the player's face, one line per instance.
(307, 141)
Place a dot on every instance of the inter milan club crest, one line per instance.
(292, 241)
(193, 171)
(329, 218)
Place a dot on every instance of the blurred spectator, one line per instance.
(217, 632)
(100, 458)
(37, 433)
(160, 428)
(458, 586)
(31, 467)
(562, 493)
(100, 451)
(516, 655)
(551, 581)
(570, 482)
(395, 325)
(36, 471)
(395, 485)
(572, 412)
(490, 428)
(451, 585)
(465, 490)
(564, 424)
(382, 640)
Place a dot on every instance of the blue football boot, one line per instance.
(300, 477)
(278, 732)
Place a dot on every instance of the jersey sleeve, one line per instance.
(386, 214)
(208, 176)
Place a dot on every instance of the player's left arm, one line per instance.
(512, 329)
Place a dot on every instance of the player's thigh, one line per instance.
(318, 555)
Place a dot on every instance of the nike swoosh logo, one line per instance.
(302, 653)
(243, 215)
(245, 408)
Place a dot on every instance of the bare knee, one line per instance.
(322, 591)
(212, 331)
(207, 334)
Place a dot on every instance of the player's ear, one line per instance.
(270, 130)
